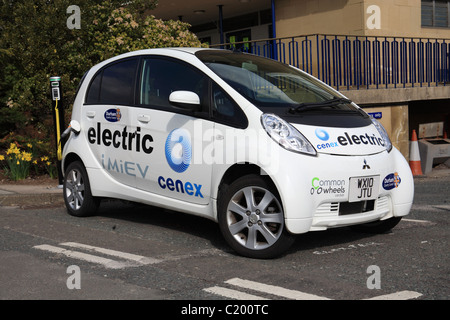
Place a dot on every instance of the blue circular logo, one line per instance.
(179, 150)
(322, 134)
(113, 115)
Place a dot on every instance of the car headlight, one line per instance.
(286, 135)
(383, 134)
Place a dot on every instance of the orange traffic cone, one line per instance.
(414, 156)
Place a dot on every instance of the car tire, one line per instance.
(77, 191)
(251, 218)
(380, 226)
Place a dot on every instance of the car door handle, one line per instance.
(143, 118)
(90, 114)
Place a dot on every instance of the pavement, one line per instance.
(50, 194)
(30, 195)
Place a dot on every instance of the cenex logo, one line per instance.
(179, 150)
(322, 134)
(178, 155)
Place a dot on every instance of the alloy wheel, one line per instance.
(255, 218)
(74, 189)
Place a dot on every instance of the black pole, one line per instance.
(221, 25)
(58, 121)
(274, 31)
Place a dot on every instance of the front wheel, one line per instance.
(77, 191)
(251, 218)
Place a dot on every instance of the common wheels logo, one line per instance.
(334, 187)
(179, 150)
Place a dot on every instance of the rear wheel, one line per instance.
(251, 218)
(381, 226)
(77, 191)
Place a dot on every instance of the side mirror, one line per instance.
(185, 99)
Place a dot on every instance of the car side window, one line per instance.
(93, 93)
(225, 110)
(161, 77)
(114, 84)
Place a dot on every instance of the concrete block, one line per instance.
(433, 151)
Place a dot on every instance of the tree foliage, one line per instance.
(35, 44)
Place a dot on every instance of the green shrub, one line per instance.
(36, 44)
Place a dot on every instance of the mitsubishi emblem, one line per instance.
(365, 166)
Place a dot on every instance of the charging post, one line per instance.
(58, 121)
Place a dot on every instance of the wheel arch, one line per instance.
(241, 169)
(68, 159)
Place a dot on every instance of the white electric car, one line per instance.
(260, 147)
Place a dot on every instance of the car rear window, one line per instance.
(114, 84)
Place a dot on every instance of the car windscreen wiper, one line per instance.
(314, 105)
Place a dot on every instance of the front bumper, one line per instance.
(306, 209)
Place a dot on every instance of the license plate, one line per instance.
(363, 188)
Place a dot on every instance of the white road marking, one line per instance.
(76, 254)
(275, 290)
(400, 295)
(417, 221)
(431, 208)
(131, 260)
(443, 207)
(232, 294)
(114, 253)
(288, 293)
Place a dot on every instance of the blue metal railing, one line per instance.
(356, 62)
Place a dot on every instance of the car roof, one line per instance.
(167, 50)
(158, 51)
(190, 50)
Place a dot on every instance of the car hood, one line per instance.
(343, 141)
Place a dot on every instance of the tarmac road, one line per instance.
(131, 251)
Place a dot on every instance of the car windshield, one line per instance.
(270, 84)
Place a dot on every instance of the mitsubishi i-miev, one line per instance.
(260, 147)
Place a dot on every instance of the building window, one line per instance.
(436, 13)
